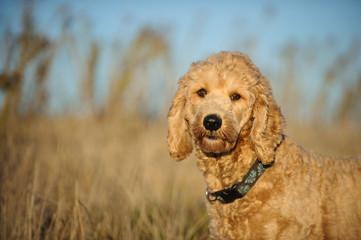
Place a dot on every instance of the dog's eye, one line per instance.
(202, 93)
(235, 97)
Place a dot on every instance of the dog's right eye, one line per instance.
(202, 93)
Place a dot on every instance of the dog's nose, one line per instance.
(212, 122)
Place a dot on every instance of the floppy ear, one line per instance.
(179, 138)
(268, 124)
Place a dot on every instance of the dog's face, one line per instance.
(219, 105)
(216, 100)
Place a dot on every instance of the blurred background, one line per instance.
(85, 87)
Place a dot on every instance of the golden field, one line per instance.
(112, 178)
(96, 179)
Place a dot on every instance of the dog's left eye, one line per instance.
(235, 97)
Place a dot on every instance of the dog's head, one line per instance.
(216, 100)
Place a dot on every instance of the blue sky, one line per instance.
(213, 22)
(198, 28)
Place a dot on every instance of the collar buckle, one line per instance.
(227, 195)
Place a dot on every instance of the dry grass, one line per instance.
(111, 178)
(97, 179)
(339, 139)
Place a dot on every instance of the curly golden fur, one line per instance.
(302, 195)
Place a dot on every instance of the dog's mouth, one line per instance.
(218, 137)
(214, 142)
(212, 136)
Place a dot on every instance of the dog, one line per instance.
(260, 183)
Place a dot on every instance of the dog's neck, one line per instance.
(223, 170)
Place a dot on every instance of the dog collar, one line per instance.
(240, 189)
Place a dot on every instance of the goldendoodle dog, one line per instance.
(260, 183)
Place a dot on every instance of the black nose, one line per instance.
(212, 122)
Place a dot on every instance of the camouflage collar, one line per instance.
(239, 189)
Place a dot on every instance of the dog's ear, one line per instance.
(268, 123)
(179, 138)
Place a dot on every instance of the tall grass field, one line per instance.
(111, 178)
